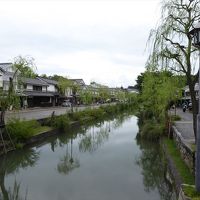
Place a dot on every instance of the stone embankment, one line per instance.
(185, 148)
(183, 135)
(182, 195)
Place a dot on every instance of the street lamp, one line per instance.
(195, 33)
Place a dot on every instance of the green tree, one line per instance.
(159, 89)
(139, 82)
(103, 93)
(120, 95)
(87, 95)
(75, 90)
(22, 67)
(64, 84)
(172, 43)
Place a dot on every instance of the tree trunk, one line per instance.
(2, 118)
(194, 108)
(2, 186)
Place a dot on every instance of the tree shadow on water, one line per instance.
(154, 170)
(67, 162)
(11, 163)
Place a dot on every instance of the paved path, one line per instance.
(40, 113)
(185, 125)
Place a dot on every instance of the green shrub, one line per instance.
(19, 145)
(121, 107)
(75, 116)
(191, 192)
(182, 168)
(108, 109)
(87, 113)
(21, 130)
(61, 122)
(175, 118)
(151, 130)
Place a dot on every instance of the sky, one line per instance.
(96, 40)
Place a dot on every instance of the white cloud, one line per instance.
(93, 40)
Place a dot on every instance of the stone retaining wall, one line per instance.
(187, 154)
(182, 196)
(174, 174)
(41, 137)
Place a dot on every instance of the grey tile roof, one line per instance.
(78, 81)
(10, 74)
(49, 81)
(38, 94)
(5, 66)
(1, 70)
(32, 81)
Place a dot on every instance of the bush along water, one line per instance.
(159, 89)
(150, 127)
(20, 130)
(61, 122)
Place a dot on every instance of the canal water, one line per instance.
(99, 162)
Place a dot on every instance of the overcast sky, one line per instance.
(99, 40)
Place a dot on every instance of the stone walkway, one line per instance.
(41, 113)
(185, 125)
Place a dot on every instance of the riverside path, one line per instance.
(41, 113)
(185, 125)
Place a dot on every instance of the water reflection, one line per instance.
(67, 163)
(94, 161)
(99, 134)
(90, 142)
(10, 164)
(154, 170)
(117, 122)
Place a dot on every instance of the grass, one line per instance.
(186, 175)
(61, 122)
(42, 129)
(175, 118)
(193, 147)
(190, 191)
(20, 131)
(182, 168)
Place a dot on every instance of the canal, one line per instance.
(103, 161)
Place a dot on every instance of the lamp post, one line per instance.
(195, 33)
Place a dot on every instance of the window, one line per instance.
(37, 88)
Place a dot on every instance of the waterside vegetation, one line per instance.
(159, 91)
(21, 130)
(170, 66)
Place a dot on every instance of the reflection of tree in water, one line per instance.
(62, 139)
(119, 120)
(154, 170)
(11, 163)
(67, 163)
(14, 194)
(91, 141)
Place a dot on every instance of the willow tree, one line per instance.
(21, 67)
(171, 43)
(159, 90)
(103, 93)
(87, 95)
(64, 84)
